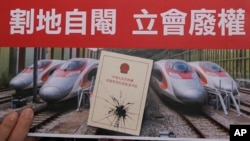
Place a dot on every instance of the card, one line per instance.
(120, 93)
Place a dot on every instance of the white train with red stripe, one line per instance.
(24, 80)
(178, 81)
(214, 76)
(75, 74)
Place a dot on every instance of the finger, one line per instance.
(23, 125)
(8, 125)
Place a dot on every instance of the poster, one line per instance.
(208, 30)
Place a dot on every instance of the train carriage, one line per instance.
(176, 80)
(65, 82)
(213, 76)
(24, 80)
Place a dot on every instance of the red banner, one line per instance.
(126, 23)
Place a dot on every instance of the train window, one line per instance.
(215, 68)
(181, 66)
(212, 66)
(72, 65)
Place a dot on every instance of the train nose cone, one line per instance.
(50, 94)
(192, 96)
(17, 84)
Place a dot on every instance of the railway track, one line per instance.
(44, 114)
(183, 120)
(205, 126)
(8, 94)
(245, 90)
(244, 108)
(43, 117)
(4, 90)
(4, 98)
(244, 101)
(50, 113)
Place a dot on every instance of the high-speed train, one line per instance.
(214, 76)
(65, 82)
(178, 81)
(24, 80)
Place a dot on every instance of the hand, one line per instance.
(15, 127)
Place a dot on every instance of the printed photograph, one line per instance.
(119, 70)
(191, 94)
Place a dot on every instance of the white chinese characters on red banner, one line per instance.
(154, 24)
(22, 21)
(229, 21)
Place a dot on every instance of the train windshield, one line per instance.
(40, 64)
(212, 66)
(181, 66)
(72, 65)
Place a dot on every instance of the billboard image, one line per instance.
(154, 70)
